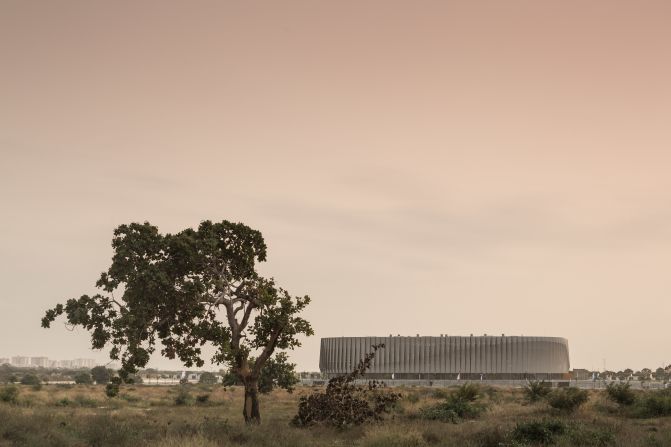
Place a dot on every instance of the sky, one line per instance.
(435, 167)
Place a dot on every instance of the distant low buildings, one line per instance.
(21, 361)
(45, 362)
(39, 362)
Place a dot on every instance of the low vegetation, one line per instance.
(536, 390)
(567, 399)
(344, 403)
(82, 415)
(621, 393)
(463, 403)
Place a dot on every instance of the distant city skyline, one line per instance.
(46, 362)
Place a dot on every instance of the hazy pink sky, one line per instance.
(416, 167)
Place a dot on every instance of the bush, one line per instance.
(344, 403)
(621, 393)
(653, 404)
(101, 374)
(9, 394)
(538, 432)
(202, 398)
(112, 389)
(84, 401)
(461, 404)
(582, 436)
(183, 397)
(30, 379)
(207, 378)
(567, 399)
(535, 390)
(83, 378)
(468, 392)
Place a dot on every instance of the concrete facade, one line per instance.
(450, 358)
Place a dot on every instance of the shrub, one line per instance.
(344, 403)
(30, 379)
(582, 436)
(101, 374)
(202, 398)
(538, 432)
(207, 378)
(567, 399)
(112, 389)
(83, 378)
(461, 404)
(84, 401)
(535, 390)
(653, 404)
(9, 394)
(621, 393)
(468, 392)
(183, 397)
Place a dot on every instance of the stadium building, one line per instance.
(450, 358)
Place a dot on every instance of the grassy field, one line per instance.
(57, 415)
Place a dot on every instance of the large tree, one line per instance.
(187, 290)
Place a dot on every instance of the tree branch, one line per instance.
(267, 351)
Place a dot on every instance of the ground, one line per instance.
(66, 415)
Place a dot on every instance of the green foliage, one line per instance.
(172, 290)
(183, 396)
(112, 389)
(567, 399)
(580, 435)
(468, 392)
(84, 401)
(30, 379)
(101, 374)
(83, 378)
(539, 431)
(653, 404)
(207, 378)
(536, 390)
(9, 393)
(463, 403)
(231, 379)
(344, 403)
(621, 393)
(276, 373)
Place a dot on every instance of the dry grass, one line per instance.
(148, 415)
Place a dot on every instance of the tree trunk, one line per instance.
(251, 406)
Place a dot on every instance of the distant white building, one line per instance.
(39, 362)
(4, 360)
(83, 363)
(65, 364)
(20, 361)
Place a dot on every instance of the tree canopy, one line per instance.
(276, 373)
(182, 291)
(101, 374)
